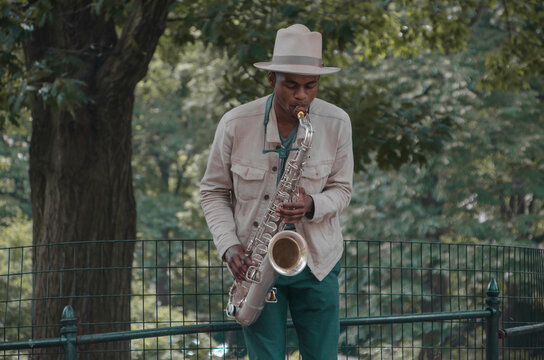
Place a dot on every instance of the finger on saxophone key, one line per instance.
(237, 260)
(248, 261)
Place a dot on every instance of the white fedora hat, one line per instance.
(297, 51)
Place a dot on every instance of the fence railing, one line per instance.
(409, 300)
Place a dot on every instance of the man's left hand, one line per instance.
(292, 212)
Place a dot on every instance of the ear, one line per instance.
(272, 79)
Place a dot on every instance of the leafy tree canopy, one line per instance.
(486, 184)
(402, 128)
(418, 79)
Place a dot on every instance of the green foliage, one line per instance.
(48, 79)
(517, 63)
(173, 125)
(16, 286)
(13, 85)
(412, 83)
(401, 111)
(14, 184)
(174, 284)
(486, 185)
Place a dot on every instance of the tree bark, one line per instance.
(80, 168)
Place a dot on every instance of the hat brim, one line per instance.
(296, 68)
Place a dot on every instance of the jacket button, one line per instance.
(274, 168)
(255, 224)
(266, 197)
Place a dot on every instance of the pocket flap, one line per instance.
(247, 173)
(316, 171)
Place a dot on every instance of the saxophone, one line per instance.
(274, 251)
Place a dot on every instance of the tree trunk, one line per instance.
(80, 169)
(82, 192)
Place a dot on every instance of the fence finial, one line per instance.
(68, 332)
(492, 301)
(492, 288)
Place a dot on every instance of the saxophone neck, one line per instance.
(304, 119)
(304, 122)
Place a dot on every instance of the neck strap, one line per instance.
(267, 111)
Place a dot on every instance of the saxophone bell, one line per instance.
(288, 253)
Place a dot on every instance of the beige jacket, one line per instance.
(240, 179)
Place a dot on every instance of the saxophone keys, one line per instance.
(253, 274)
(271, 226)
(258, 258)
(266, 237)
(261, 250)
(274, 215)
(284, 195)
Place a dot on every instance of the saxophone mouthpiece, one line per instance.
(300, 111)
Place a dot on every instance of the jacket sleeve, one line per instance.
(336, 194)
(216, 191)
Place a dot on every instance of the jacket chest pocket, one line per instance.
(248, 182)
(314, 177)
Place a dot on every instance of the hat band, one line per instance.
(297, 60)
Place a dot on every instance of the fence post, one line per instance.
(492, 339)
(68, 332)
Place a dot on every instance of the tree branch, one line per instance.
(129, 60)
(507, 19)
(474, 20)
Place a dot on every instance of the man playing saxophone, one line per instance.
(253, 144)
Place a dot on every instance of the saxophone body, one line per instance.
(273, 250)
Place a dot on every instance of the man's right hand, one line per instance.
(237, 261)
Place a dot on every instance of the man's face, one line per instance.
(291, 91)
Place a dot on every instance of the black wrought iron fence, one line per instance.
(180, 283)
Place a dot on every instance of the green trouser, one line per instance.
(314, 307)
